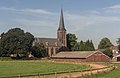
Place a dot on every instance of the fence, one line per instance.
(69, 74)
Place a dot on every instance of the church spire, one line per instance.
(61, 32)
(61, 23)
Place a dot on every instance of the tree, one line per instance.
(108, 52)
(39, 50)
(89, 46)
(104, 43)
(84, 46)
(76, 47)
(63, 48)
(118, 42)
(71, 41)
(15, 41)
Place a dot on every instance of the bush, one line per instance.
(5, 58)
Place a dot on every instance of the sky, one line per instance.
(88, 19)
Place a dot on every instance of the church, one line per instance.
(53, 45)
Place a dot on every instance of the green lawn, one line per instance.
(11, 68)
(111, 74)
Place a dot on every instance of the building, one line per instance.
(114, 49)
(116, 54)
(81, 56)
(116, 57)
(54, 44)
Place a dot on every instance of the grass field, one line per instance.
(110, 74)
(11, 68)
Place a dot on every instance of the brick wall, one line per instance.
(68, 60)
(97, 57)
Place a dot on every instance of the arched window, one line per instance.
(56, 44)
(46, 43)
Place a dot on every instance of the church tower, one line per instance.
(61, 32)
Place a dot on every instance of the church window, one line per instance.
(56, 44)
(47, 43)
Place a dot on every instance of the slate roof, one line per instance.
(116, 55)
(47, 41)
(114, 48)
(76, 54)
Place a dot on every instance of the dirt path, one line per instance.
(96, 68)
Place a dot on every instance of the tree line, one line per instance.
(19, 44)
(16, 41)
(74, 45)
(104, 45)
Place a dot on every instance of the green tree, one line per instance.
(15, 41)
(89, 46)
(92, 45)
(63, 48)
(104, 43)
(39, 50)
(118, 42)
(71, 41)
(108, 52)
(76, 47)
(82, 46)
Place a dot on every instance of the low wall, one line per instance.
(68, 60)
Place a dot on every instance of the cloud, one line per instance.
(5, 8)
(87, 24)
(93, 18)
(35, 23)
(93, 26)
(94, 12)
(115, 7)
(80, 22)
(113, 10)
(39, 11)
